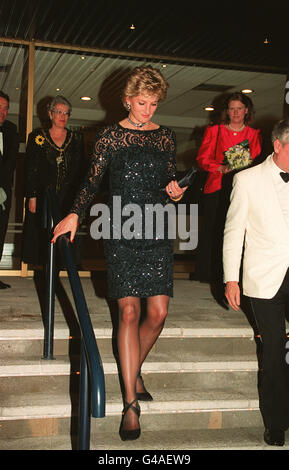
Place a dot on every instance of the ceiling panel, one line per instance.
(193, 31)
(181, 40)
(101, 77)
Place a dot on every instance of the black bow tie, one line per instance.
(284, 176)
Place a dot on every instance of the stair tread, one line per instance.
(35, 330)
(247, 438)
(58, 404)
(192, 308)
(156, 363)
(194, 400)
(175, 396)
(240, 438)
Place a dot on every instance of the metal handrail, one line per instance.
(91, 364)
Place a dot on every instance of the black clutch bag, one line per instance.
(188, 179)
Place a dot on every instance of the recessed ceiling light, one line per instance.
(82, 57)
(132, 26)
(209, 108)
(86, 98)
(247, 90)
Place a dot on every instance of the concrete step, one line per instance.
(194, 439)
(191, 391)
(184, 348)
(192, 321)
(59, 417)
(202, 373)
(192, 399)
(192, 304)
(35, 366)
(144, 450)
(33, 406)
(160, 383)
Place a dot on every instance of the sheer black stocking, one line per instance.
(135, 341)
(151, 328)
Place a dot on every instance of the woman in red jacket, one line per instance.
(222, 149)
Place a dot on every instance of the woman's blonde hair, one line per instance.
(145, 81)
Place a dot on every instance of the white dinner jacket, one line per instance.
(255, 222)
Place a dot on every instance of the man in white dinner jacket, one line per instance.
(258, 222)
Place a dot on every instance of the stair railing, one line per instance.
(92, 384)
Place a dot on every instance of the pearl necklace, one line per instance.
(236, 130)
(136, 124)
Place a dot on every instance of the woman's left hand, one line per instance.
(224, 169)
(174, 191)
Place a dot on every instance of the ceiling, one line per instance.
(214, 31)
(86, 48)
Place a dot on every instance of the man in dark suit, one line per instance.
(8, 154)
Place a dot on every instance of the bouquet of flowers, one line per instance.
(238, 156)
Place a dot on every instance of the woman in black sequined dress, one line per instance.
(141, 158)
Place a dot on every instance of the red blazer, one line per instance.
(210, 155)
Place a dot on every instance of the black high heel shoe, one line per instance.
(143, 396)
(274, 437)
(130, 434)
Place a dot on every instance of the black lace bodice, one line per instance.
(140, 163)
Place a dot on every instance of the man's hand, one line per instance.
(232, 294)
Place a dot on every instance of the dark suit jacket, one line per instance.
(8, 160)
(7, 167)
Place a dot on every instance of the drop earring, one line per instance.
(128, 106)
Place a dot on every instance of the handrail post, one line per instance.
(84, 403)
(50, 295)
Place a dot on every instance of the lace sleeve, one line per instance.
(97, 168)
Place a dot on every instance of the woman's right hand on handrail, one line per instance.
(68, 224)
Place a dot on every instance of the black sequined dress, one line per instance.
(140, 163)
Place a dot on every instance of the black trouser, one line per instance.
(209, 253)
(274, 372)
(4, 218)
